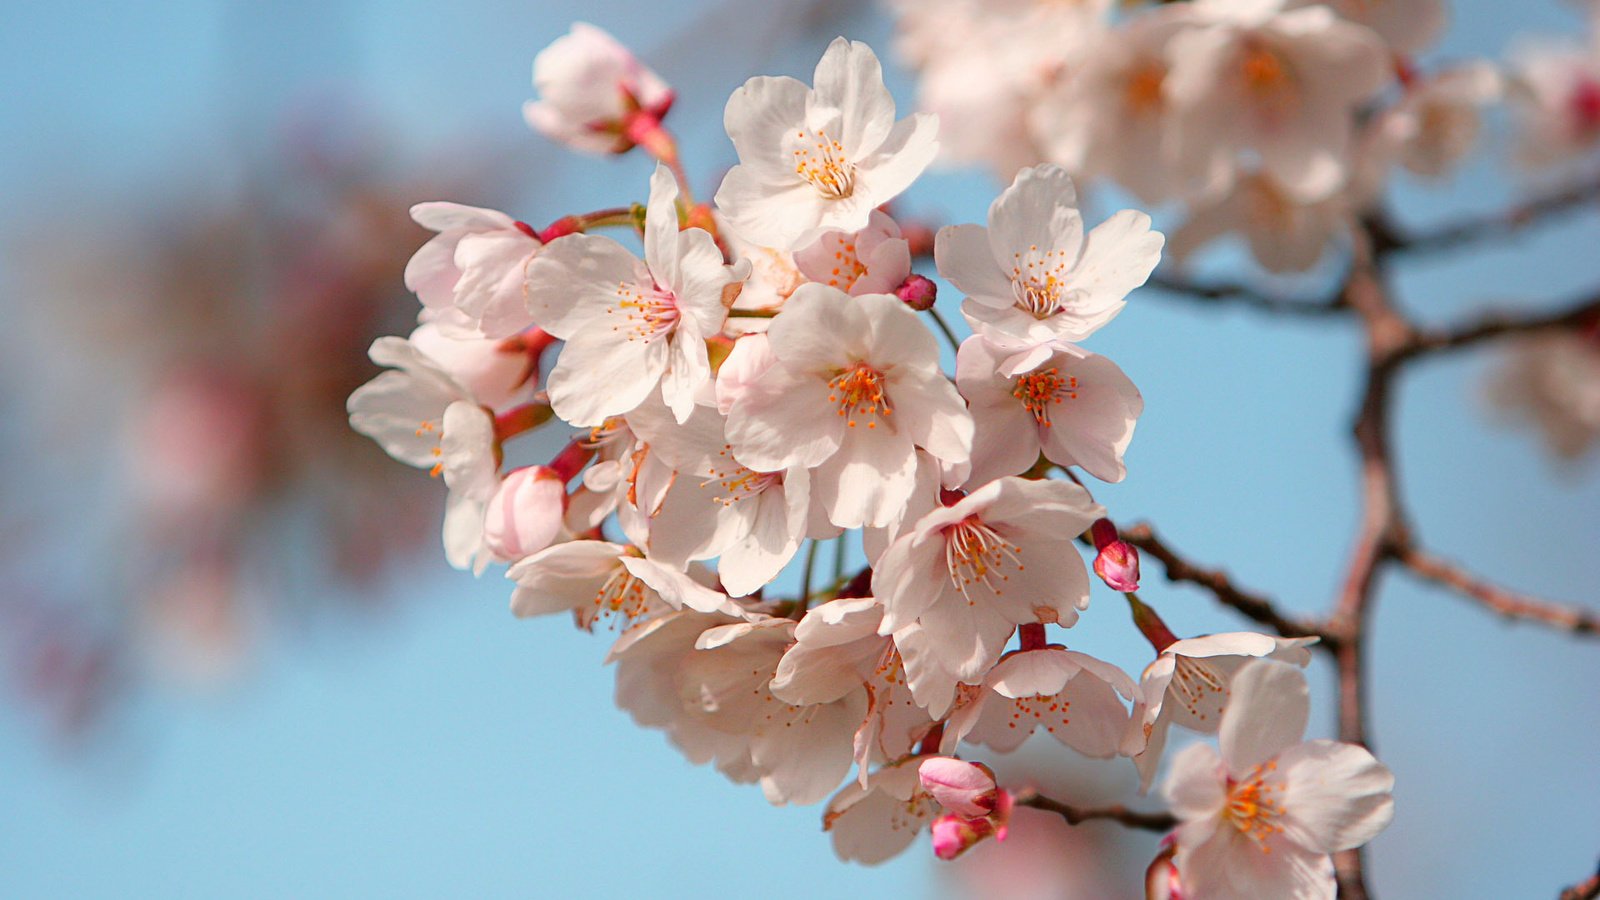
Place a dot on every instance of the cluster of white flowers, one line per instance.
(1276, 121)
(766, 378)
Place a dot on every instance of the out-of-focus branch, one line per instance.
(1499, 224)
(1244, 295)
(1254, 606)
(1077, 815)
(1501, 324)
(1507, 603)
(1584, 890)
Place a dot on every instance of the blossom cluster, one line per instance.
(767, 376)
(1276, 121)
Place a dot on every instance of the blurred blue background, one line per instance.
(444, 748)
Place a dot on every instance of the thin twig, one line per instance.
(1244, 295)
(1500, 224)
(1077, 815)
(1588, 889)
(1501, 324)
(1507, 603)
(1254, 606)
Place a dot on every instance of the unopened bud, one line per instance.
(953, 835)
(525, 515)
(1116, 561)
(964, 788)
(917, 292)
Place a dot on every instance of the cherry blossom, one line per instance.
(874, 260)
(1189, 683)
(1553, 382)
(1283, 234)
(1438, 120)
(1261, 819)
(874, 821)
(844, 366)
(1283, 84)
(1077, 408)
(594, 95)
(1408, 26)
(819, 158)
(994, 559)
(1071, 695)
(497, 375)
(471, 274)
(1555, 90)
(1033, 279)
(631, 326)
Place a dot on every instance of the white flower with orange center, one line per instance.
(874, 821)
(1188, 684)
(1071, 695)
(1033, 279)
(853, 389)
(631, 326)
(819, 158)
(1077, 408)
(874, 260)
(1261, 818)
(970, 573)
(1285, 86)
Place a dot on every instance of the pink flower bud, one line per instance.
(953, 835)
(918, 292)
(524, 515)
(964, 788)
(1117, 561)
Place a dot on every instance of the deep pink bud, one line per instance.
(953, 835)
(917, 292)
(1116, 560)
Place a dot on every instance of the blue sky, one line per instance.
(449, 748)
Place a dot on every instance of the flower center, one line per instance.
(1198, 686)
(820, 160)
(1142, 92)
(1043, 389)
(425, 428)
(976, 554)
(859, 391)
(847, 265)
(1267, 78)
(1039, 282)
(647, 313)
(1584, 103)
(739, 482)
(1253, 805)
(607, 433)
(622, 599)
(1049, 711)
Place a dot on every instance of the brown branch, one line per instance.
(1077, 815)
(1244, 295)
(1254, 606)
(1500, 224)
(1588, 889)
(1507, 603)
(1500, 324)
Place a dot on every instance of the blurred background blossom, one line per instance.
(206, 227)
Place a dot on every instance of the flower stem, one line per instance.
(944, 328)
(804, 601)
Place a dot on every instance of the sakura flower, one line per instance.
(854, 390)
(1555, 90)
(1552, 381)
(1438, 120)
(471, 274)
(424, 418)
(596, 581)
(631, 326)
(1071, 695)
(1075, 407)
(594, 95)
(801, 752)
(1408, 26)
(838, 652)
(874, 821)
(496, 375)
(1261, 819)
(971, 572)
(1189, 684)
(819, 158)
(1032, 278)
(1283, 84)
(874, 260)
(1283, 234)
(716, 507)
(1111, 119)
